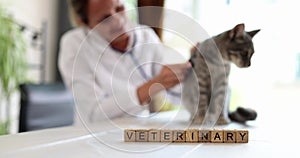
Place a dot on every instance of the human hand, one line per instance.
(171, 75)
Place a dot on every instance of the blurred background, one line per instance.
(270, 84)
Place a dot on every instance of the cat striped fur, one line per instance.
(206, 85)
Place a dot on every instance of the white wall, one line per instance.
(34, 13)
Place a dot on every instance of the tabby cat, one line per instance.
(206, 86)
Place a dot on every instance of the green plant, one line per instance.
(13, 64)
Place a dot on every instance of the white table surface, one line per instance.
(106, 140)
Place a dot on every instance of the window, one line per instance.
(277, 52)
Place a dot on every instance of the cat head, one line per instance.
(238, 45)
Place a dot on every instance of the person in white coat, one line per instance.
(113, 67)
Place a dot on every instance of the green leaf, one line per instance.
(4, 127)
(13, 65)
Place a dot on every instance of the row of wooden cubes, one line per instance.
(189, 136)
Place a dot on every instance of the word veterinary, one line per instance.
(189, 136)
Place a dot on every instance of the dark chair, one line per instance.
(45, 106)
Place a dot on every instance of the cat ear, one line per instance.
(252, 33)
(237, 31)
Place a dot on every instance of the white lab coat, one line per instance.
(104, 81)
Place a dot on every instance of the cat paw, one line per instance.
(210, 121)
(223, 121)
(197, 121)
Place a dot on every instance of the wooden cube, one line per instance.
(129, 135)
(217, 136)
(192, 136)
(154, 135)
(242, 136)
(141, 135)
(229, 136)
(166, 135)
(204, 136)
(179, 136)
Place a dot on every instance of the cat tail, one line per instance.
(242, 115)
